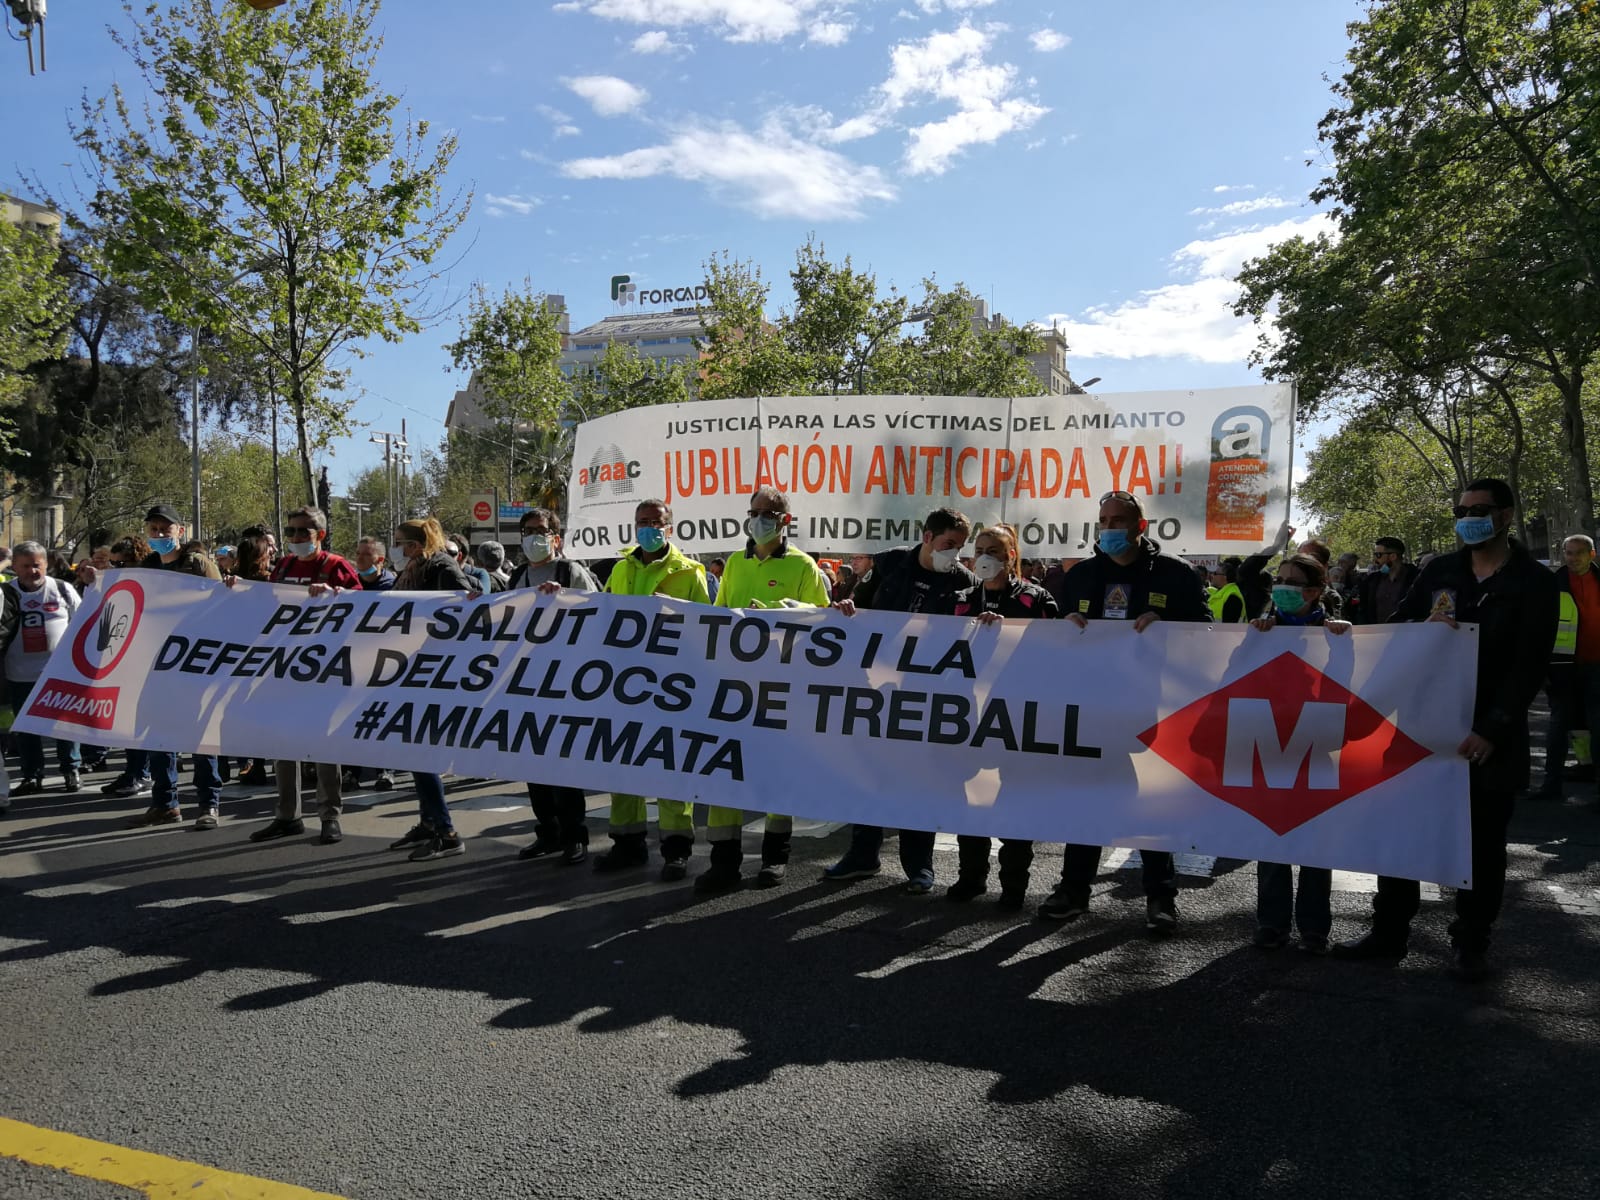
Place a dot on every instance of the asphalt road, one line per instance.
(341, 1019)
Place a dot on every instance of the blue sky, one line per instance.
(1105, 166)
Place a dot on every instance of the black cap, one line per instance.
(163, 512)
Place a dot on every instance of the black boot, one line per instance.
(627, 850)
(774, 859)
(723, 874)
(675, 851)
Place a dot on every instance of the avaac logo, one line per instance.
(608, 465)
(623, 289)
(1284, 743)
(105, 637)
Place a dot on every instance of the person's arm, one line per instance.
(1512, 695)
(1417, 603)
(814, 589)
(1233, 610)
(867, 587)
(342, 575)
(8, 617)
(1187, 602)
(1046, 604)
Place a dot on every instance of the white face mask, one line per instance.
(537, 547)
(304, 549)
(987, 567)
(944, 560)
(397, 553)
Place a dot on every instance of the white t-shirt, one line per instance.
(42, 618)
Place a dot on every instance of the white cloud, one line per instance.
(494, 120)
(1240, 208)
(659, 41)
(500, 206)
(770, 171)
(734, 20)
(951, 66)
(1047, 41)
(606, 94)
(567, 131)
(1192, 320)
(1233, 187)
(933, 6)
(830, 33)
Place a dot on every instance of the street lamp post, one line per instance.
(360, 509)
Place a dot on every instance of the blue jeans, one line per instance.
(1279, 906)
(138, 764)
(916, 848)
(30, 746)
(164, 771)
(430, 801)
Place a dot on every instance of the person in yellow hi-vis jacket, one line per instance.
(769, 574)
(653, 567)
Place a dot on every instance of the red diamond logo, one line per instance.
(1284, 743)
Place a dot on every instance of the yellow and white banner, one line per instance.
(1291, 746)
(863, 471)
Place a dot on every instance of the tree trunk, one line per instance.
(1575, 433)
(297, 400)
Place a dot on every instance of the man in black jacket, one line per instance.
(1383, 587)
(1495, 583)
(1128, 579)
(913, 579)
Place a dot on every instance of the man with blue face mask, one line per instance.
(654, 566)
(165, 532)
(1383, 587)
(1127, 579)
(1494, 583)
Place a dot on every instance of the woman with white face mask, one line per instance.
(562, 832)
(1003, 594)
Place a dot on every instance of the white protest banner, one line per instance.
(1291, 746)
(863, 471)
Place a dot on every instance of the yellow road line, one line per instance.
(158, 1177)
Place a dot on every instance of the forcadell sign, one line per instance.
(624, 291)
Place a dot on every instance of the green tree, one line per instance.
(843, 338)
(37, 307)
(513, 347)
(743, 353)
(622, 378)
(264, 193)
(1468, 211)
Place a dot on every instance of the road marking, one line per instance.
(1199, 866)
(230, 898)
(72, 889)
(158, 1177)
(318, 918)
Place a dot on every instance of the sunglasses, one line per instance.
(1476, 510)
(1124, 497)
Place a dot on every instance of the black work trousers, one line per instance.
(1080, 864)
(1477, 907)
(560, 812)
(1016, 856)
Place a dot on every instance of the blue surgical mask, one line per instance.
(763, 529)
(163, 545)
(1287, 598)
(1475, 530)
(1383, 570)
(651, 539)
(1113, 541)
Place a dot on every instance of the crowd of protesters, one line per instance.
(1537, 629)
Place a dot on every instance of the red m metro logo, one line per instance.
(1284, 743)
